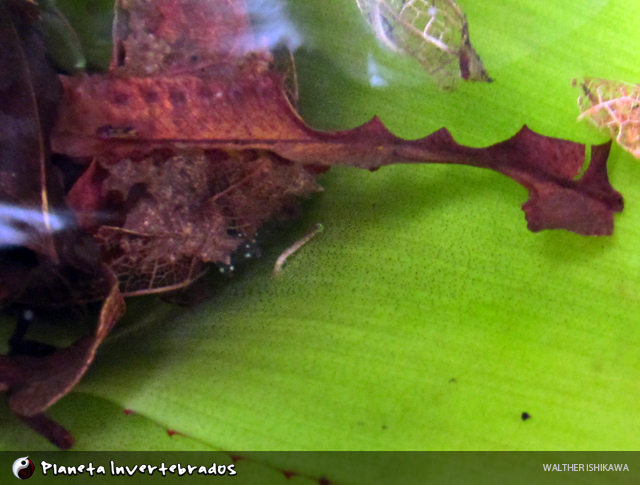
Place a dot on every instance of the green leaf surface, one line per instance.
(425, 316)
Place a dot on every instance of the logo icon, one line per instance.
(23, 468)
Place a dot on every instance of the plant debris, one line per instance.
(434, 33)
(282, 259)
(613, 106)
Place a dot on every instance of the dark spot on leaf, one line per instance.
(235, 93)
(151, 96)
(169, 59)
(236, 458)
(177, 97)
(137, 192)
(110, 131)
(288, 474)
(235, 233)
(129, 411)
(205, 92)
(464, 65)
(525, 416)
(324, 481)
(120, 98)
(121, 55)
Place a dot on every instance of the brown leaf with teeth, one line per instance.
(226, 107)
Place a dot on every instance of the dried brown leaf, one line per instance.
(35, 383)
(547, 167)
(36, 226)
(29, 95)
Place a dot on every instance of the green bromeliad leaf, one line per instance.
(425, 316)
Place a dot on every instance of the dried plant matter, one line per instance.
(28, 102)
(41, 248)
(282, 259)
(35, 383)
(613, 106)
(186, 147)
(435, 32)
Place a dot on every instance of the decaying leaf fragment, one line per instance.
(188, 145)
(41, 248)
(243, 109)
(27, 112)
(35, 383)
(435, 32)
(35, 220)
(613, 106)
